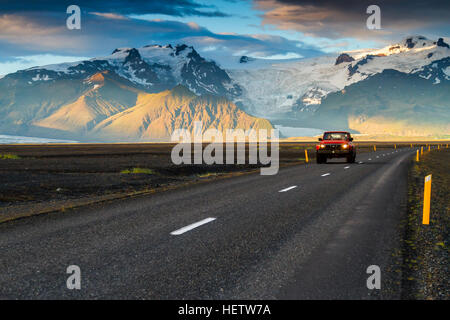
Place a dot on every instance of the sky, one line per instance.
(35, 33)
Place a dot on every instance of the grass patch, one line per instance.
(138, 171)
(7, 156)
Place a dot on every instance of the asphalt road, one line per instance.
(309, 232)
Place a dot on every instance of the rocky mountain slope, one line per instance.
(392, 103)
(70, 100)
(110, 108)
(299, 93)
(153, 68)
(156, 116)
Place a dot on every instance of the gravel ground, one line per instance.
(426, 247)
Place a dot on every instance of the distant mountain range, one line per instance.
(144, 94)
(392, 103)
(108, 107)
(131, 95)
(400, 90)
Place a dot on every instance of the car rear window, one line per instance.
(335, 136)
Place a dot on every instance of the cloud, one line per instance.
(178, 8)
(343, 19)
(17, 63)
(194, 25)
(225, 48)
(110, 15)
(32, 33)
(37, 33)
(253, 45)
(288, 55)
(21, 34)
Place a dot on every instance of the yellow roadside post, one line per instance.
(426, 200)
(306, 156)
(439, 146)
(374, 148)
(417, 156)
(421, 150)
(411, 145)
(395, 146)
(429, 148)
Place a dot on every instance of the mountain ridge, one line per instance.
(113, 111)
(75, 98)
(158, 115)
(153, 68)
(416, 106)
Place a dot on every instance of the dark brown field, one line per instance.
(36, 178)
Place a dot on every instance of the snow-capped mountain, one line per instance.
(392, 103)
(70, 99)
(277, 90)
(353, 90)
(108, 107)
(153, 68)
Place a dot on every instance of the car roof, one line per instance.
(337, 132)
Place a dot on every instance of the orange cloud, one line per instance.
(341, 19)
(110, 15)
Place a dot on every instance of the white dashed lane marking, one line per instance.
(346, 167)
(191, 226)
(287, 189)
(325, 174)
